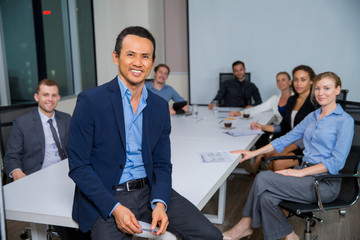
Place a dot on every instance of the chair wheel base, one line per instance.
(307, 236)
(24, 235)
(312, 223)
(342, 212)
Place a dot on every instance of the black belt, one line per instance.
(305, 164)
(132, 185)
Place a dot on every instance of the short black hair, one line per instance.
(237, 63)
(137, 31)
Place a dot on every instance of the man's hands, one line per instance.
(172, 111)
(17, 174)
(160, 217)
(186, 108)
(127, 222)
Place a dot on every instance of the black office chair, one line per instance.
(343, 94)
(229, 76)
(349, 192)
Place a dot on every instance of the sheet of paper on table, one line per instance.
(216, 157)
(243, 132)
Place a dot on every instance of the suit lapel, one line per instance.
(116, 100)
(39, 132)
(145, 130)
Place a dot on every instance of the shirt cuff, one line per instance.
(277, 128)
(154, 201)
(114, 209)
(10, 174)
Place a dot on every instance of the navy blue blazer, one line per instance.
(97, 153)
(26, 143)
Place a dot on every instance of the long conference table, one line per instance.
(46, 197)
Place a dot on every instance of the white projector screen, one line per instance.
(272, 36)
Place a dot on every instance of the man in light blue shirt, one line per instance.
(158, 86)
(119, 154)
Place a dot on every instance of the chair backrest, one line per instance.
(7, 114)
(343, 94)
(228, 76)
(353, 108)
(353, 161)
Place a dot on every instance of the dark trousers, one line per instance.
(185, 220)
(66, 233)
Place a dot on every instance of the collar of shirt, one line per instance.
(134, 166)
(124, 90)
(338, 111)
(45, 118)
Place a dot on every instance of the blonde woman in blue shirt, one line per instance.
(327, 134)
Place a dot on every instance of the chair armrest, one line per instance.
(267, 162)
(322, 177)
(340, 175)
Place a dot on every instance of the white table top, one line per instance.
(29, 199)
(195, 180)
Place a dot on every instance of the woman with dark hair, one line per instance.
(327, 135)
(297, 108)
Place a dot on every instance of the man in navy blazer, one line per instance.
(119, 154)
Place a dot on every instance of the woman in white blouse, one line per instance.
(276, 103)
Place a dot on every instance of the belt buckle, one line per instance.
(128, 187)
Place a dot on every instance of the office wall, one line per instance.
(176, 45)
(272, 36)
(111, 17)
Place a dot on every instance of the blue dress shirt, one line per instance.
(326, 141)
(134, 166)
(51, 155)
(166, 92)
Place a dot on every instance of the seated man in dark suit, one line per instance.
(39, 139)
(238, 92)
(119, 154)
